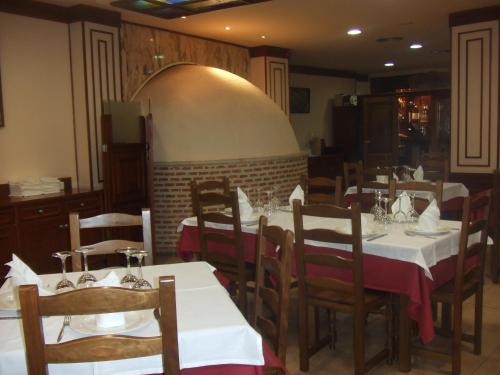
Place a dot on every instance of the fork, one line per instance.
(66, 321)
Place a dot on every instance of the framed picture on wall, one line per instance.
(299, 99)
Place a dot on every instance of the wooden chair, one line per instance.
(110, 221)
(494, 226)
(221, 186)
(330, 292)
(436, 166)
(468, 281)
(367, 200)
(421, 203)
(105, 347)
(224, 250)
(322, 189)
(352, 172)
(272, 287)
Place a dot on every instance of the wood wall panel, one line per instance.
(474, 117)
(277, 86)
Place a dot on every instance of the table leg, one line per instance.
(404, 334)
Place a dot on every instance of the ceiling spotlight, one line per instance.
(263, 37)
(416, 46)
(227, 28)
(389, 64)
(183, 17)
(354, 32)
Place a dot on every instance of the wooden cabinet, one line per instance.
(35, 227)
(346, 131)
(325, 166)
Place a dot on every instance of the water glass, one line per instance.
(64, 285)
(129, 279)
(399, 215)
(141, 283)
(377, 211)
(86, 280)
(386, 218)
(413, 214)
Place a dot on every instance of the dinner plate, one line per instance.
(286, 208)
(86, 324)
(7, 302)
(413, 229)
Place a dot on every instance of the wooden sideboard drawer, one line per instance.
(7, 216)
(39, 210)
(84, 203)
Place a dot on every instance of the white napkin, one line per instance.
(395, 176)
(297, 193)
(429, 219)
(21, 274)
(246, 209)
(418, 175)
(111, 319)
(405, 204)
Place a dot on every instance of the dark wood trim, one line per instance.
(475, 182)
(327, 72)
(59, 13)
(184, 34)
(270, 51)
(73, 105)
(475, 15)
(278, 68)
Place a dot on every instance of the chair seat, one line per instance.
(445, 293)
(344, 302)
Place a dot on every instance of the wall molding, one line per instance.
(327, 72)
(269, 51)
(474, 16)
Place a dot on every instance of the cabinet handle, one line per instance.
(40, 211)
(62, 226)
(66, 225)
(82, 204)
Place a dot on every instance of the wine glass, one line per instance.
(141, 283)
(129, 279)
(275, 200)
(258, 205)
(86, 280)
(377, 210)
(399, 215)
(269, 206)
(64, 285)
(386, 218)
(413, 214)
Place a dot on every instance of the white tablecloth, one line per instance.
(423, 251)
(211, 329)
(450, 190)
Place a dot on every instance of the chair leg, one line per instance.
(446, 319)
(303, 334)
(478, 320)
(389, 332)
(359, 343)
(494, 262)
(456, 349)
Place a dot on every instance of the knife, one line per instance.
(377, 236)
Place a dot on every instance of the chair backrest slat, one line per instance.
(351, 173)
(328, 260)
(322, 189)
(221, 186)
(421, 203)
(329, 283)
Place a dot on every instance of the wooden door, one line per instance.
(380, 131)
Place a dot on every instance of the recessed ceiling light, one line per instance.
(183, 17)
(389, 64)
(227, 28)
(354, 32)
(416, 45)
(263, 37)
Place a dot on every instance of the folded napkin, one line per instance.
(297, 193)
(246, 209)
(395, 176)
(429, 219)
(21, 274)
(418, 175)
(111, 319)
(405, 204)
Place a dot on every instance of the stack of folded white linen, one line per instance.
(34, 186)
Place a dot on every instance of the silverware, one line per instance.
(411, 234)
(9, 317)
(377, 236)
(66, 321)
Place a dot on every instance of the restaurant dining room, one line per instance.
(249, 187)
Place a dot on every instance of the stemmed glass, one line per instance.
(258, 205)
(413, 214)
(269, 206)
(141, 283)
(129, 279)
(275, 200)
(86, 280)
(376, 210)
(64, 285)
(400, 216)
(386, 218)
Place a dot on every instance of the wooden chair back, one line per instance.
(322, 189)
(312, 287)
(494, 226)
(109, 221)
(436, 166)
(421, 203)
(272, 286)
(367, 200)
(221, 186)
(475, 220)
(352, 171)
(223, 250)
(103, 347)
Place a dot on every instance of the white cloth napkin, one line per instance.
(418, 175)
(246, 209)
(395, 176)
(297, 193)
(405, 204)
(21, 274)
(429, 219)
(111, 319)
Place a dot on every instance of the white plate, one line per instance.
(371, 233)
(413, 229)
(254, 219)
(7, 302)
(86, 324)
(286, 208)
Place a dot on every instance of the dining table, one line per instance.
(395, 259)
(213, 335)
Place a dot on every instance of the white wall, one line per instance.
(38, 138)
(318, 122)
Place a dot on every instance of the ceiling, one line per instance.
(315, 30)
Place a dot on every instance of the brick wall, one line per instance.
(172, 199)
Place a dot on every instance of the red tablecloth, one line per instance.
(379, 273)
